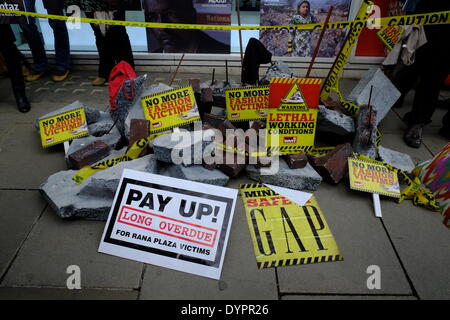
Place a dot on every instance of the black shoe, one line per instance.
(413, 136)
(22, 102)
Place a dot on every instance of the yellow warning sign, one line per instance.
(63, 127)
(169, 109)
(390, 35)
(373, 177)
(284, 233)
(249, 103)
(289, 130)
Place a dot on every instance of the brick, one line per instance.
(296, 161)
(89, 154)
(139, 129)
(333, 167)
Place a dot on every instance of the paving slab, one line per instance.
(19, 211)
(392, 123)
(362, 241)
(55, 244)
(432, 140)
(240, 279)
(26, 164)
(423, 244)
(65, 294)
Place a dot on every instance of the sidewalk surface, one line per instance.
(410, 245)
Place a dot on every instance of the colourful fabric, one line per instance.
(301, 39)
(435, 175)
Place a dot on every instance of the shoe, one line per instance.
(22, 102)
(413, 136)
(60, 75)
(35, 76)
(99, 82)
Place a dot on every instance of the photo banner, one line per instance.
(204, 12)
(11, 18)
(302, 43)
(169, 222)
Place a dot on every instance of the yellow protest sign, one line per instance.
(390, 35)
(249, 103)
(373, 177)
(290, 130)
(284, 233)
(169, 109)
(63, 127)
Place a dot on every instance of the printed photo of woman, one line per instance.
(299, 42)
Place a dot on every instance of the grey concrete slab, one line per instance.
(349, 297)
(65, 294)
(362, 241)
(19, 210)
(395, 142)
(25, 163)
(423, 244)
(55, 244)
(240, 279)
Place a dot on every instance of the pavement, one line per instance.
(410, 245)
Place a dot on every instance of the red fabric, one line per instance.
(121, 72)
(447, 81)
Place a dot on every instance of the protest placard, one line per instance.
(170, 109)
(285, 233)
(63, 127)
(173, 223)
(249, 103)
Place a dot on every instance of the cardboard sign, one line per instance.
(285, 233)
(63, 127)
(169, 109)
(284, 90)
(172, 223)
(373, 177)
(290, 130)
(390, 35)
(11, 18)
(248, 103)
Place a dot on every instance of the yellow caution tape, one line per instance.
(133, 153)
(414, 190)
(433, 18)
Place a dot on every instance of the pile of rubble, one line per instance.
(191, 152)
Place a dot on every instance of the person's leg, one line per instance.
(119, 42)
(62, 46)
(103, 55)
(36, 44)
(12, 60)
(432, 73)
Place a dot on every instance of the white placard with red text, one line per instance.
(169, 222)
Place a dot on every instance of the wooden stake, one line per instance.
(176, 71)
(240, 33)
(226, 72)
(316, 50)
(212, 80)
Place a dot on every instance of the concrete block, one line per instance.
(396, 159)
(199, 174)
(182, 147)
(102, 126)
(384, 93)
(330, 121)
(125, 101)
(112, 139)
(92, 198)
(299, 179)
(279, 69)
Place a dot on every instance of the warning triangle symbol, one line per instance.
(294, 95)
